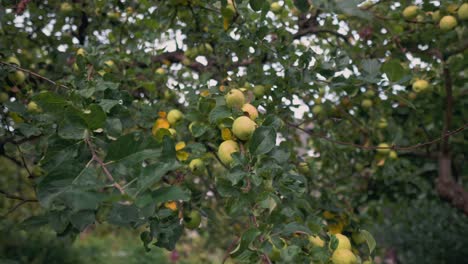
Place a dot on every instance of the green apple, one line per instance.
(174, 116)
(343, 256)
(366, 103)
(235, 98)
(383, 148)
(259, 91)
(13, 60)
(4, 97)
(66, 7)
(17, 77)
(275, 254)
(382, 123)
(436, 16)
(448, 23)
(192, 220)
(197, 166)
(226, 149)
(369, 93)
(303, 168)
(358, 237)
(463, 12)
(393, 155)
(317, 109)
(250, 111)
(420, 86)
(243, 127)
(33, 107)
(410, 12)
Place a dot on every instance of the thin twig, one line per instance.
(103, 166)
(16, 197)
(229, 249)
(33, 74)
(392, 147)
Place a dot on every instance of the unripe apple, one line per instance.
(436, 16)
(109, 63)
(358, 237)
(366, 103)
(4, 97)
(197, 165)
(303, 168)
(275, 254)
(463, 12)
(160, 71)
(369, 93)
(13, 60)
(235, 98)
(448, 23)
(316, 241)
(317, 109)
(174, 116)
(420, 86)
(383, 148)
(192, 220)
(410, 12)
(226, 149)
(275, 7)
(382, 123)
(243, 127)
(66, 7)
(250, 110)
(259, 91)
(393, 155)
(17, 77)
(412, 95)
(80, 52)
(452, 8)
(343, 256)
(33, 107)
(343, 242)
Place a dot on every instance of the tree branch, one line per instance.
(33, 74)
(16, 197)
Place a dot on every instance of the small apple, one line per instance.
(226, 149)
(463, 12)
(192, 220)
(275, 7)
(243, 127)
(317, 109)
(13, 60)
(197, 166)
(410, 12)
(358, 237)
(366, 103)
(250, 111)
(17, 77)
(275, 254)
(393, 155)
(66, 7)
(80, 52)
(316, 241)
(303, 168)
(369, 93)
(174, 116)
(436, 16)
(4, 97)
(259, 91)
(420, 86)
(383, 148)
(33, 107)
(382, 123)
(343, 256)
(448, 23)
(235, 98)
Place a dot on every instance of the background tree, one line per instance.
(279, 131)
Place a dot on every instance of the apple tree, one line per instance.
(273, 129)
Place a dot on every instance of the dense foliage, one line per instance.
(277, 131)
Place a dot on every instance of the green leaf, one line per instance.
(246, 240)
(293, 227)
(302, 5)
(50, 102)
(153, 173)
(369, 240)
(218, 113)
(94, 116)
(108, 104)
(371, 67)
(167, 232)
(80, 220)
(263, 140)
(122, 214)
(393, 70)
(124, 146)
(256, 5)
(171, 193)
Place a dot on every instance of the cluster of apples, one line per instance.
(447, 22)
(16, 77)
(243, 127)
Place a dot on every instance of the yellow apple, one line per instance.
(160, 71)
(243, 127)
(383, 148)
(420, 86)
(343, 242)
(13, 60)
(197, 165)
(275, 7)
(33, 107)
(174, 116)
(17, 77)
(316, 241)
(343, 256)
(226, 149)
(448, 23)
(80, 52)
(235, 98)
(250, 110)
(463, 12)
(366, 103)
(410, 12)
